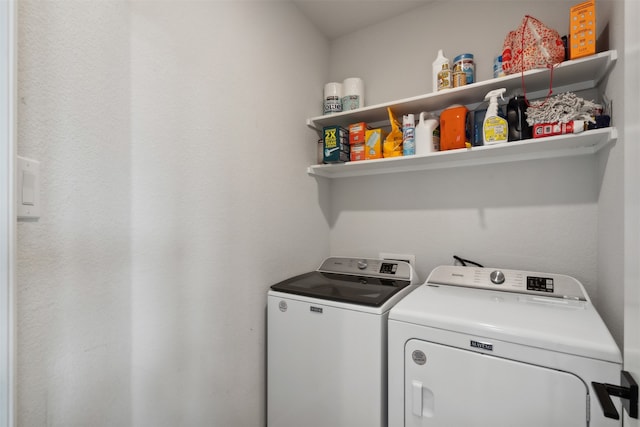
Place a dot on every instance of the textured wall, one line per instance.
(174, 193)
(73, 272)
(222, 206)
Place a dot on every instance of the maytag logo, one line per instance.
(482, 345)
(316, 309)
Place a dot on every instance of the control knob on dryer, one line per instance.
(497, 277)
(362, 264)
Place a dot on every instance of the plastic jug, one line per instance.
(453, 123)
(517, 119)
(425, 141)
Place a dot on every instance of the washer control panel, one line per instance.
(381, 268)
(527, 282)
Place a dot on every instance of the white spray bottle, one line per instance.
(408, 135)
(425, 143)
(495, 129)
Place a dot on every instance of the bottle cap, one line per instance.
(408, 120)
(463, 56)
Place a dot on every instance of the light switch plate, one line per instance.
(28, 188)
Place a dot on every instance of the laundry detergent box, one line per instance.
(373, 143)
(357, 133)
(335, 142)
(582, 30)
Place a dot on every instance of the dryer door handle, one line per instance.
(416, 397)
(627, 392)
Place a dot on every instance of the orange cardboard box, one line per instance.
(357, 133)
(357, 152)
(582, 30)
(373, 143)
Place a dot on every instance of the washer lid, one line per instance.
(364, 290)
(564, 325)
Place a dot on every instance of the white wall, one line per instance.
(221, 203)
(559, 215)
(73, 273)
(395, 57)
(611, 169)
(174, 193)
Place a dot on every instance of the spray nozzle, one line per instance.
(495, 94)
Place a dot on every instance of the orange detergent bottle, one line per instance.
(453, 124)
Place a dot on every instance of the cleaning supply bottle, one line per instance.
(437, 68)
(453, 127)
(494, 128)
(408, 135)
(444, 78)
(425, 139)
(517, 119)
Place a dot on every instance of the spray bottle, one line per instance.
(494, 128)
(408, 135)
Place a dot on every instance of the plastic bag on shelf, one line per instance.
(392, 146)
(532, 45)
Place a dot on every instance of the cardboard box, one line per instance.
(373, 143)
(582, 30)
(357, 152)
(357, 133)
(335, 143)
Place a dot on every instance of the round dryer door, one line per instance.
(448, 386)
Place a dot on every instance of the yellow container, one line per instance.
(373, 143)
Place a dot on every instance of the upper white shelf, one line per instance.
(574, 75)
(588, 142)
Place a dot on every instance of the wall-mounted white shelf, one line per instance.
(574, 75)
(588, 142)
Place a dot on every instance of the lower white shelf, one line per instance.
(589, 142)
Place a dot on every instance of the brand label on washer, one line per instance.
(419, 357)
(316, 309)
(282, 306)
(482, 345)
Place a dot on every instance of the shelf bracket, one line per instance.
(312, 126)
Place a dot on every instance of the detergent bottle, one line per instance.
(425, 140)
(453, 121)
(517, 119)
(437, 68)
(494, 128)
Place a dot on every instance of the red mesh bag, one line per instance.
(532, 45)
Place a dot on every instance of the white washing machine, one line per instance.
(488, 347)
(327, 343)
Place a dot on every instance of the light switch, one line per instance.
(28, 188)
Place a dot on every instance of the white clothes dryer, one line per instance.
(500, 348)
(327, 343)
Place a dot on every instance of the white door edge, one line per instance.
(7, 209)
(631, 195)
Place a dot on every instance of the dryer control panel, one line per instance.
(380, 268)
(526, 282)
